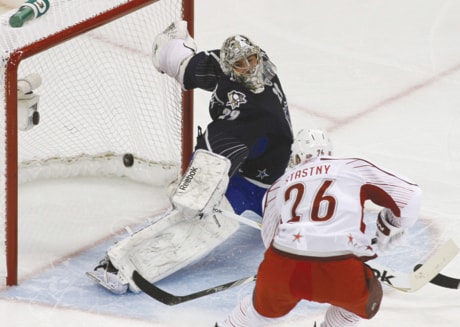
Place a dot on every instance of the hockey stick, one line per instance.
(239, 218)
(171, 299)
(403, 282)
(429, 273)
(413, 281)
(443, 280)
(400, 281)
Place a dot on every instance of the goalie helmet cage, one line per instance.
(100, 98)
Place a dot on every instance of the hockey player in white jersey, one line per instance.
(316, 238)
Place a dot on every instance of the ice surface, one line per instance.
(382, 76)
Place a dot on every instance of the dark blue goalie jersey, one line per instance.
(252, 130)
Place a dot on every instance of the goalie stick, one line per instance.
(171, 299)
(239, 218)
(401, 281)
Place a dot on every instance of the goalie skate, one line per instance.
(106, 275)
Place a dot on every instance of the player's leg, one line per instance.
(114, 271)
(272, 298)
(245, 315)
(336, 316)
(245, 195)
(186, 234)
(354, 294)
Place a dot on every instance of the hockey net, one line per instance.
(100, 98)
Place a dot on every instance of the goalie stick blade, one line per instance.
(443, 280)
(238, 218)
(171, 299)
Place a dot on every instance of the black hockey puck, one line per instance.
(128, 160)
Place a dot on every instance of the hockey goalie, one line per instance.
(244, 149)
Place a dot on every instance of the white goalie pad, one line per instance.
(203, 185)
(173, 241)
(168, 245)
(120, 253)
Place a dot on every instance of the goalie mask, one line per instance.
(310, 143)
(243, 62)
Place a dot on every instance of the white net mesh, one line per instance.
(100, 96)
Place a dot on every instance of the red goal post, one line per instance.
(100, 98)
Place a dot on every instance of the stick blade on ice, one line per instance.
(433, 265)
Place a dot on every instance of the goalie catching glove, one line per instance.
(388, 232)
(172, 50)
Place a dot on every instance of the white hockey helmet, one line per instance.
(241, 61)
(310, 143)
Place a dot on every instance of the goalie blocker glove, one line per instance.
(387, 230)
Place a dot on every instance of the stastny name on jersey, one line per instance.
(308, 171)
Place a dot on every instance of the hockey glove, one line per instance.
(388, 234)
(172, 50)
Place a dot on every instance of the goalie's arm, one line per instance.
(174, 53)
(203, 71)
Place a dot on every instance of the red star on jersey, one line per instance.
(350, 238)
(297, 237)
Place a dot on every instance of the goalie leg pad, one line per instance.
(203, 185)
(119, 254)
(168, 245)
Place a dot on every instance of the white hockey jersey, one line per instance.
(317, 208)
